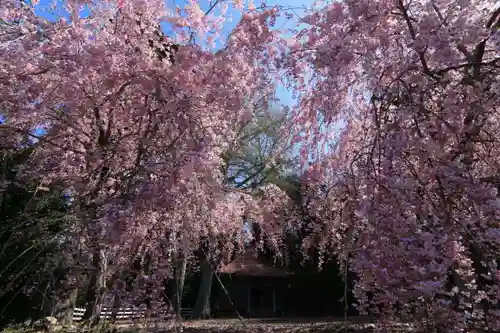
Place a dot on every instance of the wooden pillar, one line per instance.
(249, 302)
(274, 300)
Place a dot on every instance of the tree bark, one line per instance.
(180, 279)
(94, 297)
(202, 307)
(64, 308)
(65, 292)
(116, 306)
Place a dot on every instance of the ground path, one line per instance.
(275, 325)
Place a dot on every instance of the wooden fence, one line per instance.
(131, 314)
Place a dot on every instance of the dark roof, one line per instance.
(248, 263)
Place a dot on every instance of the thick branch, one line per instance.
(413, 35)
(477, 57)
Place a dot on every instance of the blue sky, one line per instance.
(283, 94)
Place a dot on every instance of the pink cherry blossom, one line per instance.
(413, 191)
(406, 197)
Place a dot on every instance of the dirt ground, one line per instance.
(267, 325)
(295, 325)
(281, 325)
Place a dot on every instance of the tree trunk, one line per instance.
(94, 297)
(180, 279)
(116, 306)
(64, 308)
(65, 289)
(202, 307)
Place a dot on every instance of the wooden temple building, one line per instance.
(256, 287)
